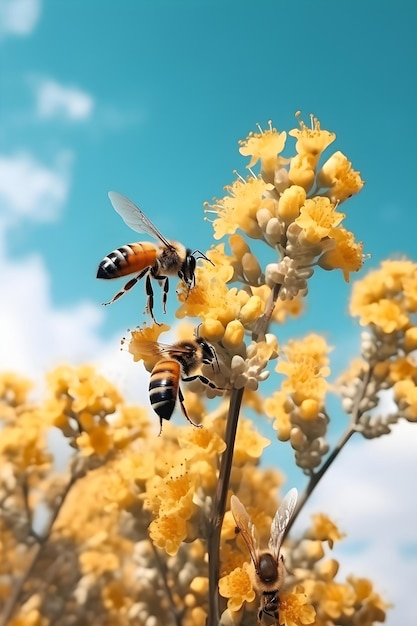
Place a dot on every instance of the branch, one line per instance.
(9, 607)
(219, 507)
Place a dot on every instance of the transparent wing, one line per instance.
(134, 217)
(246, 527)
(154, 348)
(281, 521)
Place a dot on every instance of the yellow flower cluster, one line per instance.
(292, 206)
(298, 407)
(386, 302)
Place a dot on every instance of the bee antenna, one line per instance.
(201, 256)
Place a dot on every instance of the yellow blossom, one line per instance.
(168, 532)
(279, 407)
(410, 339)
(290, 203)
(294, 609)
(239, 208)
(96, 441)
(324, 530)
(237, 588)
(347, 254)
(336, 599)
(311, 140)
(265, 145)
(141, 344)
(302, 170)
(338, 175)
(13, 389)
(405, 394)
(249, 443)
(303, 379)
(386, 314)
(317, 219)
(201, 441)
(234, 334)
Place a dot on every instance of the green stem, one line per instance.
(219, 507)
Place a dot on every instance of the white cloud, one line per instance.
(36, 336)
(56, 100)
(30, 189)
(369, 493)
(19, 17)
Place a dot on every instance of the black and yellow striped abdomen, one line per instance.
(163, 387)
(129, 259)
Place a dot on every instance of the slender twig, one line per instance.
(9, 607)
(161, 565)
(219, 507)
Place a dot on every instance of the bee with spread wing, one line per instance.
(268, 564)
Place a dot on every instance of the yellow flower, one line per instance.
(386, 314)
(302, 170)
(338, 175)
(336, 599)
(14, 389)
(311, 140)
(366, 595)
(265, 145)
(237, 588)
(312, 345)
(201, 442)
(239, 208)
(249, 443)
(317, 219)
(405, 394)
(347, 255)
(290, 203)
(96, 441)
(168, 532)
(279, 408)
(324, 529)
(141, 342)
(294, 609)
(98, 562)
(303, 379)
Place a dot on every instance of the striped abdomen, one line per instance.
(128, 259)
(163, 387)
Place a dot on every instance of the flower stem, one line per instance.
(317, 476)
(219, 507)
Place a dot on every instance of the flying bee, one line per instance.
(168, 258)
(268, 564)
(177, 362)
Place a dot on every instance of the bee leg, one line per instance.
(150, 299)
(164, 281)
(184, 410)
(203, 379)
(131, 283)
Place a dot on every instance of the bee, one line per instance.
(168, 258)
(177, 362)
(269, 564)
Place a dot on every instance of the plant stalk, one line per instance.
(219, 507)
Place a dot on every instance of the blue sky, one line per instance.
(149, 98)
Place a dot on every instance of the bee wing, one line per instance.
(134, 217)
(154, 348)
(281, 521)
(246, 527)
